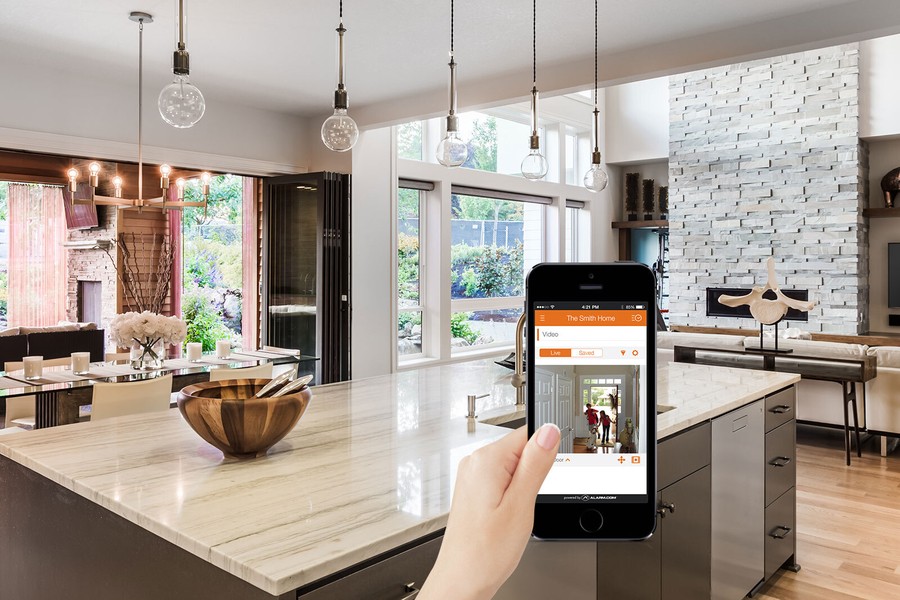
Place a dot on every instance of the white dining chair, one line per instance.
(134, 397)
(20, 410)
(11, 430)
(258, 372)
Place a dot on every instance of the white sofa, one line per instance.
(817, 401)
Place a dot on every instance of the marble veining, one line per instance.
(370, 466)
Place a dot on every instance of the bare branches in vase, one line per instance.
(146, 269)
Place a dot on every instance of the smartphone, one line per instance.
(591, 370)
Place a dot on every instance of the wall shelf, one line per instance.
(875, 213)
(655, 224)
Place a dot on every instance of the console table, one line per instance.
(845, 371)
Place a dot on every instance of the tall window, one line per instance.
(494, 242)
(212, 272)
(573, 216)
(410, 138)
(409, 271)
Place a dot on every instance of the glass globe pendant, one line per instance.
(596, 178)
(452, 151)
(181, 104)
(339, 131)
(535, 165)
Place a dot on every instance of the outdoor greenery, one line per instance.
(213, 274)
(460, 328)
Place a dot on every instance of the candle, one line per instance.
(194, 351)
(34, 367)
(223, 348)
(81, 362)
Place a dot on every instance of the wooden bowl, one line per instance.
(224, 414)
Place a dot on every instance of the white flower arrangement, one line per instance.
(146, 328)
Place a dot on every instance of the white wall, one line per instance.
(79, 112)
(879, 93)
(374, 184)
(637, 121)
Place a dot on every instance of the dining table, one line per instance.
(63, 397)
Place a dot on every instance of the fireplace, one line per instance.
(715, 309)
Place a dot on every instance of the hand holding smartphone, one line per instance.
(591, 370)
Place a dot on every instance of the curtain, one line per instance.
(37, 258)
(249, 263)
(174, 224)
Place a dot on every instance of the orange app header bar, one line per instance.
(580, 318)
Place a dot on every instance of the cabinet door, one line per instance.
(630, 570)
(554, 570)
(685, 538)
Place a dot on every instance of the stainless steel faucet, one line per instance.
(518, 379)
(472, 398)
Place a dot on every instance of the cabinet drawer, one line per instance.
(682, 454)
(781, 407)
(781, 464)
(780, 528)
(384, 580)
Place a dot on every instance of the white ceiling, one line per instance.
(280, 54)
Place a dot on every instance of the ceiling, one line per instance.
(280, 54)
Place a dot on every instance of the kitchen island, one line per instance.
(141, 507)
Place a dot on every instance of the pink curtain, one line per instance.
(250, 241)
(37, 258)
(175, 241)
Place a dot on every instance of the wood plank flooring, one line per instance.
(848, 523)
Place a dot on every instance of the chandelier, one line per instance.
(165, 170)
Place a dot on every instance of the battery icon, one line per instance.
(639, 306)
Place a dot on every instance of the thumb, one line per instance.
(534, 464)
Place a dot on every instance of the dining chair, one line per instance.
(258, 372)
(20, 410)
(10, 430)
(118, 399)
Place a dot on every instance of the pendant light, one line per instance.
(535, 165)
(339, 131)
(452, 151)
(141, 18)
(181, 104)
(596, 178)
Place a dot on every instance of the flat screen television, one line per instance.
(81, 216)
(894, 275)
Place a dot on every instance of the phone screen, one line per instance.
(590, 379)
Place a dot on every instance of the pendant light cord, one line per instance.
(451, 28)
(341, 10)
(595, 53)
(534, 42)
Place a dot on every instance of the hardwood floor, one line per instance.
(848, 523)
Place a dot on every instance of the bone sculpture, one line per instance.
(767, 312)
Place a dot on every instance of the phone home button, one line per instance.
(591, 520)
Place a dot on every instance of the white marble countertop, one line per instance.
(369, 467)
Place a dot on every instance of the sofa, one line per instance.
(54, 341)
(819, 402)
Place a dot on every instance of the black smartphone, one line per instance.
(591, 370)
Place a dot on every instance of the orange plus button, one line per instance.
(555, 352)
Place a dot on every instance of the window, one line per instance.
(212, 271)
(573, 216)
(409, 271)
(571, 156)
(494, 242)
(410, 139)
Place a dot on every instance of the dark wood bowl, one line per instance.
(224, 414)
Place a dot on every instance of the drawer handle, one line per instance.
(663, 507)
(779, 532)
(780, 409)
(410, 587)
(780, 461)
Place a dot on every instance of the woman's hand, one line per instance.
(492, 515)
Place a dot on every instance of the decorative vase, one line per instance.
(147, 354)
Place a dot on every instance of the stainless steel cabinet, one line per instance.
(674, 563)
(781, 480)
(738, 502)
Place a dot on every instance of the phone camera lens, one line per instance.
(590, 275)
